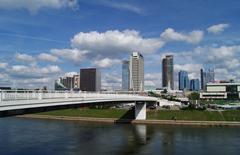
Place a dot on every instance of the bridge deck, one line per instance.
(24, 104)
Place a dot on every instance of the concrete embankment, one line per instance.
(115, 120)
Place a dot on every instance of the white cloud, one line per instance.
(188, 67)
(216, 29)
(49, 70)
(222, 53)
(24, 57)
(115, 42)
(3, 65)
(22, 71)
(153, 79)
(192, 37)
(111, 81)
(70, 74)
(106, 62)
(47, 57)
(124, 6)
(34, 5)
(74, 55)
(225, 74)
(232, 64)
(117, 5)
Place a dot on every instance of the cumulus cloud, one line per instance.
(74, 55)
(33, 76)
(222, 53)
(70, 74)
(106, 62)
(3, 65)
(153, 79)
(192, 37)
(47, 57)
(24, 57)
(111, 81)
(188, 67)
(217, 29)
(34, 5)
(114, 42)
(22, 71)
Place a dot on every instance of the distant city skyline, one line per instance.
(43, 41)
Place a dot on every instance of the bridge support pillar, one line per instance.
(140, 110)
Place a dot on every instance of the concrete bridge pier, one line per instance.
(140, 110)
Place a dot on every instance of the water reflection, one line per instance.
(29, 136)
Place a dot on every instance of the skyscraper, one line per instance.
(183, 80)
(136, 72)
(167, 72)
(125, 75)
(194, 85)
(90, 79)
(76, 81)
(206, 77)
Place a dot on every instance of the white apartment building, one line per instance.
(136, 67)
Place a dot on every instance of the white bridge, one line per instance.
(11, 102)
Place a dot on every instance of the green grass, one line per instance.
(230, 115)
(99, 113)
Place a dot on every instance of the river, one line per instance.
(21, 136)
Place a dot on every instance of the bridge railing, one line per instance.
(12, 95)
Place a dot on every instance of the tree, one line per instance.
(194, 96)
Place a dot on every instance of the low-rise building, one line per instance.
(221, 91)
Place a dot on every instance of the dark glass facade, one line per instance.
(183, 80)
(90, 79)
(125, 75)
(167, 72)
(194, 85)
(206, 77)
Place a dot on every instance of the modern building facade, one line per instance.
(229, 91)
(206, 77)
(125, 75)
(136, 68)
(194, 85)
(90, 79)
(183, 80)
(167, 72)
(76, 82)
(67, 83)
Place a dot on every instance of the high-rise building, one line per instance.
(194, 85)
(167, 72)
(136, 66)
(125, 75)
(76, 82)
(206, 77)
(90, 79)
(66, 83)
(183, 80)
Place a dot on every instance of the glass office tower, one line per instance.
(167, 72)
(183, 80)
(125, 75)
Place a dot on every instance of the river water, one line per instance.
(21, 136)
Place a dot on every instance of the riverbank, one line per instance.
(169, 117)
(115, 120)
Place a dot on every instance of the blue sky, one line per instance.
(42, 40)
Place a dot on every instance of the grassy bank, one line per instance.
(98, 113)
(231, 115)
(193, 115)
